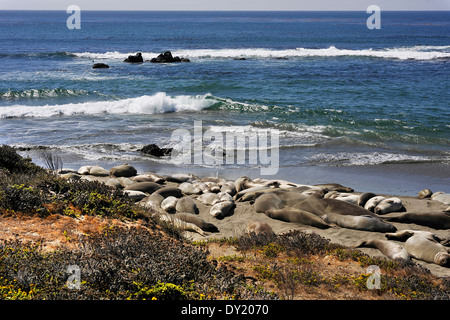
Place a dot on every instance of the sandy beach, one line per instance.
(235, 224)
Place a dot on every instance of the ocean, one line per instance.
(368, 108)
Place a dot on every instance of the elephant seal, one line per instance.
(135, 194)
(186, 204)
(180, 177)
(229, 188)
(390, 249)
(169, 191)
(124, 170)
(98, 171)
(425, 193)
(84, 170)
(365, 223)
(347, 197)
(334, 187)
(388, 205)
(423, 245)
(436, 220)
(154, 202)
(437, 196)
(373, 202)
(258, 227)
(293, 215)
(222, 209)
(268, 201)
(148, 177)
(169, 204)
(364, 197)
(180, 224)
(147, 187)
(209, 198)
(199, 222)
(320, 207)
(189, 188)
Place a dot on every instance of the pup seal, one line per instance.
(365, 223)
(258, 227)
(423, 245)
(390, 249)
(436, 220)
(293, 215)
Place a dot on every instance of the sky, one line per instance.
(275, 5)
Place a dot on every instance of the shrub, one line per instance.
(12, 162)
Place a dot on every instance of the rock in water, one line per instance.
(123, 171)
(100, 66)
(135, 58)
(154, 150)
(167, 57)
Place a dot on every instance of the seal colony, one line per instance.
(214, 207)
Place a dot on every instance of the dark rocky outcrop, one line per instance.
(135, 59)
(167, 57)
(100, 66)
(154, 150)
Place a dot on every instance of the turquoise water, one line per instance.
(344, 98)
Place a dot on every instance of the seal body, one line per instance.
(195, 219)
(366, 223)
(222, 209)
(373, 202)
(289, 214)
(388, 205)
(423, 245)
(258, 227)
(390, 249)
(436, 220)
(186, 204)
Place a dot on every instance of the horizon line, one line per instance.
(236, 10)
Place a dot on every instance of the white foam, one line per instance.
(157, 103)
(402, 53)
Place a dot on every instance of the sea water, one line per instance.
(367, 108)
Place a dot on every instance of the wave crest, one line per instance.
(157, 103)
